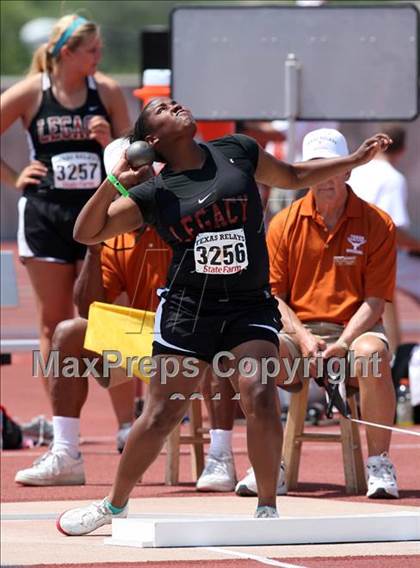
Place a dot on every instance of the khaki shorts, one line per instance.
(330, 333)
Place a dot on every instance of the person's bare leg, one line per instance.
(147, 436)
(63, 464)
(122, 399)
(392, 326)
(290, 376)
(68, 395)
(219, 399)
(377, 394)
(139, 398)
(52, 283)
(262, 410)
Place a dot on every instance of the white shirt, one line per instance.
(378, 182)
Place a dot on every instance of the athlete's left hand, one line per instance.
(370, 147)
(128, 176)
(131, 177)
(100, 130)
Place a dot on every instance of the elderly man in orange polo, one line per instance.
(332, 268)
(332, 259)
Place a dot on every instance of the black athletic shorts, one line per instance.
(202, 327)
(46, 230)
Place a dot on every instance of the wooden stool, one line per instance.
(196, 439)
(349, 438)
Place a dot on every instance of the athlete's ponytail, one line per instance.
(41, 60)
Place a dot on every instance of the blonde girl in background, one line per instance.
(71, 112)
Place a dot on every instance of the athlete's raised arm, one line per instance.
(275, 173)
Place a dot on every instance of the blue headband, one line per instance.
(67, 34)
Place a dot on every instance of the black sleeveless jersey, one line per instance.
(213, 220)
(59, 138)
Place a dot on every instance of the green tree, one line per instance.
(121, 23)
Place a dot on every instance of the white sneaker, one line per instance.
(247, 487)
(218, 474)
(53, 468)
(266, 512)
(381, 478)
(84, 520)
(122, 436)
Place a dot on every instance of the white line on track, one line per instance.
(257, 558)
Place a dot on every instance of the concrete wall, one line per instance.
(14, 150)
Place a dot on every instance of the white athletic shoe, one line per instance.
(218, 474)
(247, 487)
(266, 512)
(84, 520)
(122, 436)
(53, 468)
(381, 478)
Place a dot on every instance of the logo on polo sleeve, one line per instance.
(356, 242)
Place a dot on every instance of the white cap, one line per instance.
(156, 77)
(280, 125)
(310, 3)
(324, 143)
(113, 152)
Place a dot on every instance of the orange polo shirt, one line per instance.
(326, 275)
(138, 270)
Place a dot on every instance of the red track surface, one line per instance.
(23, 396)
(321, 468)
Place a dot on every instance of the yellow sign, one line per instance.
(126, 331)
